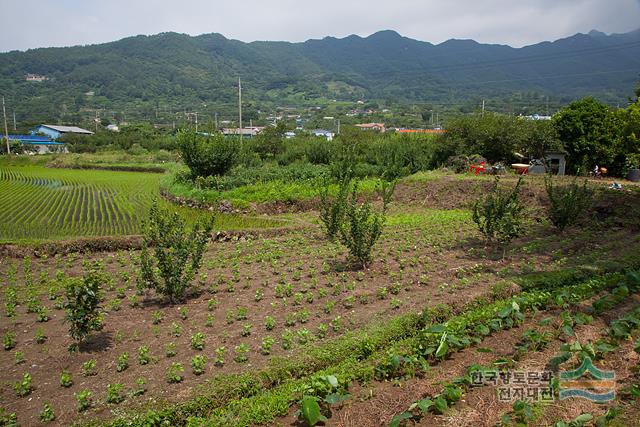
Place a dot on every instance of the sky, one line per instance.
(29, 24)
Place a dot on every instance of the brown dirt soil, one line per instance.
(375, 404)
(428, 276)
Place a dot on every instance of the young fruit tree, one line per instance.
(499, 214)
(83, 302)
(362, 226)
(567, 202)
(171, 255)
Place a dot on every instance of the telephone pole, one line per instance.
(14, 121)
(196, 121)
(240, 109)
(6, 130)
(483, 107)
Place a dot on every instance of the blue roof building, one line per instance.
(36, 143)
(55, 131)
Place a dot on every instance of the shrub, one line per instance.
(207, 155)
(83, 303)
(567, 202)
(332, 210)
(499, 214)
(176, 254)
(363, 226)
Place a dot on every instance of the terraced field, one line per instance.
(43, 203)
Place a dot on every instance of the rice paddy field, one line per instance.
(39, 203)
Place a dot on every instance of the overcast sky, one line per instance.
(41, 23)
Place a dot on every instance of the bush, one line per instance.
(83, 302)
(171, 256)
(362, 226)
(207, 155)
(332, 210)
(499, 214)
(567, 202)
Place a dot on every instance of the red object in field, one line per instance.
(520, 168)
(479, 168)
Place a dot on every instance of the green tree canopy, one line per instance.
(590, 132)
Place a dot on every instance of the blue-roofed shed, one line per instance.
(37, 144)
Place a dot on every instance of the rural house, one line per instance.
(55, 131)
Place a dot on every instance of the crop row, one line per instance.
(271, 392)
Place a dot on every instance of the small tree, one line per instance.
(362, 226)
(207, 155)
(332, 209)
(171, 256)
(499, 214)
(567, 202)
(83, 302)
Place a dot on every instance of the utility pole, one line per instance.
(196, 121)
(14, 121)
(6, 130)
(240, 109)
(338, 126)
(96, 121)
(483, 107)
(216, 120)
(547, 105)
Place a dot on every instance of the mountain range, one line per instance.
(171, 72)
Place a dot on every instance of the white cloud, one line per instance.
(39, 23)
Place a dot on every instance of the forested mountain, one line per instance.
(170, 72)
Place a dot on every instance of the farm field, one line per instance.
(279, 316)
(39, 203)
